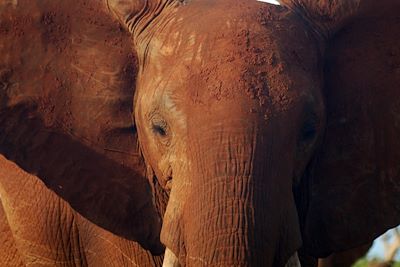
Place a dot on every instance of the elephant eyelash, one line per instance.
(159, 130)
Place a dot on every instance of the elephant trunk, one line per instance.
(238, 208)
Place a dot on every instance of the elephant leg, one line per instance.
(102, 248)
(43, 226)
(43, 229)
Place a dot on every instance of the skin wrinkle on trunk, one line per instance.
(242, 172)
(229, 166)
(221, 167)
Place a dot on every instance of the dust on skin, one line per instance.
(235, 49)
(209, 58)
(212, 66)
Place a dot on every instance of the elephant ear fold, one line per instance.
(126, 10)
(67, 80)
(353, 191)
(134, 15)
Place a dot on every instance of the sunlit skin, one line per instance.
(219, 132)
(204, 119)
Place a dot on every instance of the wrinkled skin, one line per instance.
(253, 124)
(79, 242)
(216, 107)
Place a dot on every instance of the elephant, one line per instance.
(221, 132)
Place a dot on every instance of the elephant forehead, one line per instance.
(197, 30)
(213, 50)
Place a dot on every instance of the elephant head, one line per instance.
(253, 136)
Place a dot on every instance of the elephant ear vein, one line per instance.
(66, 113)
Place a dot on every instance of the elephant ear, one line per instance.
(326, 17)
(352, 192)
(135, 15)
(67, 75)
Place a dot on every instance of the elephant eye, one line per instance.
(159, 130)
(159, 126)
(308, 131)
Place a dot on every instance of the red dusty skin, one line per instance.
(227, 109)
(233, 205)
(239, 193)
(243, 201)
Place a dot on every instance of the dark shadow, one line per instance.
(115, 197)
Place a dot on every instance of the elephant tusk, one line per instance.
(170, 260)
(293, 261)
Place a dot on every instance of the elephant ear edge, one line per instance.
(353, 189)
(327, 17)
(67, 76)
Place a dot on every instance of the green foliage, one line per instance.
(364, 262)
